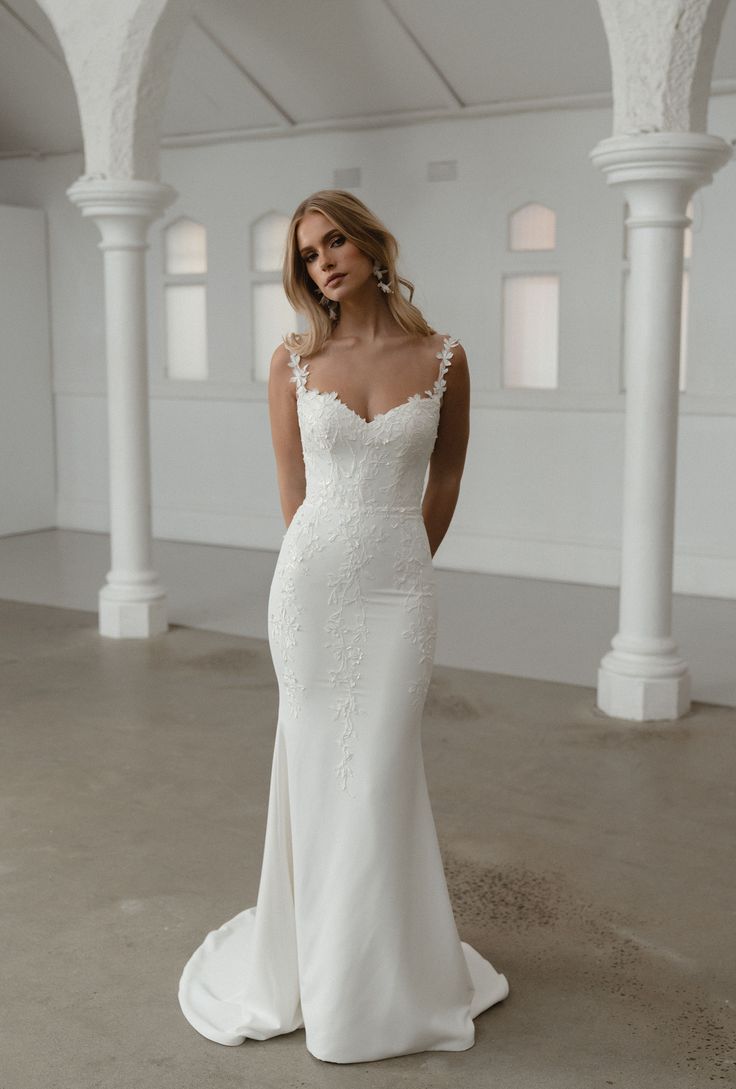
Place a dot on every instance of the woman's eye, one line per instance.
(337, 240)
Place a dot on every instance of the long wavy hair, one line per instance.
(361, 227)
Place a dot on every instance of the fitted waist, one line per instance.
(357, 503)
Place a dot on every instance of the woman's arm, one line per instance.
(448, 457)
(285, 434)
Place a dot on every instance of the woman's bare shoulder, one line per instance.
(453, 343)
(280, 357)
(437, 343)
(280, 370)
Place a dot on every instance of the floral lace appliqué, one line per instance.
(414, 575)
(284, 615)
(346, 627)
(365, 480)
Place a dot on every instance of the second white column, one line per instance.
(643, 676)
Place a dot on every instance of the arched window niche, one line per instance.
(185, 299)
(531, 300)
(687, 249)
(271, 313)
(533, 226)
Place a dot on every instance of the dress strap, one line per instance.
(444, 356)
(299, 373)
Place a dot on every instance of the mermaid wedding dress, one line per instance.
(353, 935)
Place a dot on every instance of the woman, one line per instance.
(352, 935)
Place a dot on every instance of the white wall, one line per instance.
(542, 492)
(27, 475)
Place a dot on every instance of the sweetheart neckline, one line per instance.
(334, 396)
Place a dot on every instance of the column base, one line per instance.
(126, 618)
(638, 697)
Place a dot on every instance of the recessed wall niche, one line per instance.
(185, 299)
(531, 301)
(271, 313)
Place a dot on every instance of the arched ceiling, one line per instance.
(254, 66)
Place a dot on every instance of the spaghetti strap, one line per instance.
(299, 373)
(445, 356)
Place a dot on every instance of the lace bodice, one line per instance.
(378, 463)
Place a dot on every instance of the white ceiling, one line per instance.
(254, 66)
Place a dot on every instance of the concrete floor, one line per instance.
(592, 860)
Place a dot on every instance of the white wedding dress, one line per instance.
(353, 935)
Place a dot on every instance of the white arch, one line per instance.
(662, 55)
(120, 58)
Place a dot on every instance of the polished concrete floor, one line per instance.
(592, 860)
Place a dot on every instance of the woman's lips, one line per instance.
(335, 279)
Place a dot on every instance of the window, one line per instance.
(532, 227)
(185, 299)
(530, 312)
(686, 255)
(272, 314)
(531, 301)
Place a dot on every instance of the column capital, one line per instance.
(97, 196)
(687, 158)
(121, 207)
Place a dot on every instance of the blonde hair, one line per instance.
(361, 227)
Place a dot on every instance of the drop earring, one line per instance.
(378, 272)
(330, 304)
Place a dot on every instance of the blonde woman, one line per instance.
(353, 935)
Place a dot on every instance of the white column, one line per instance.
(133, 602)
(643, 677)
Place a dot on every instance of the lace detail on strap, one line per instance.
(445, 356)
(299, 373)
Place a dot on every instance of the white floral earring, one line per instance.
(378, 272)
(329, 303)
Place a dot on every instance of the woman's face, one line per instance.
(336, 265)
